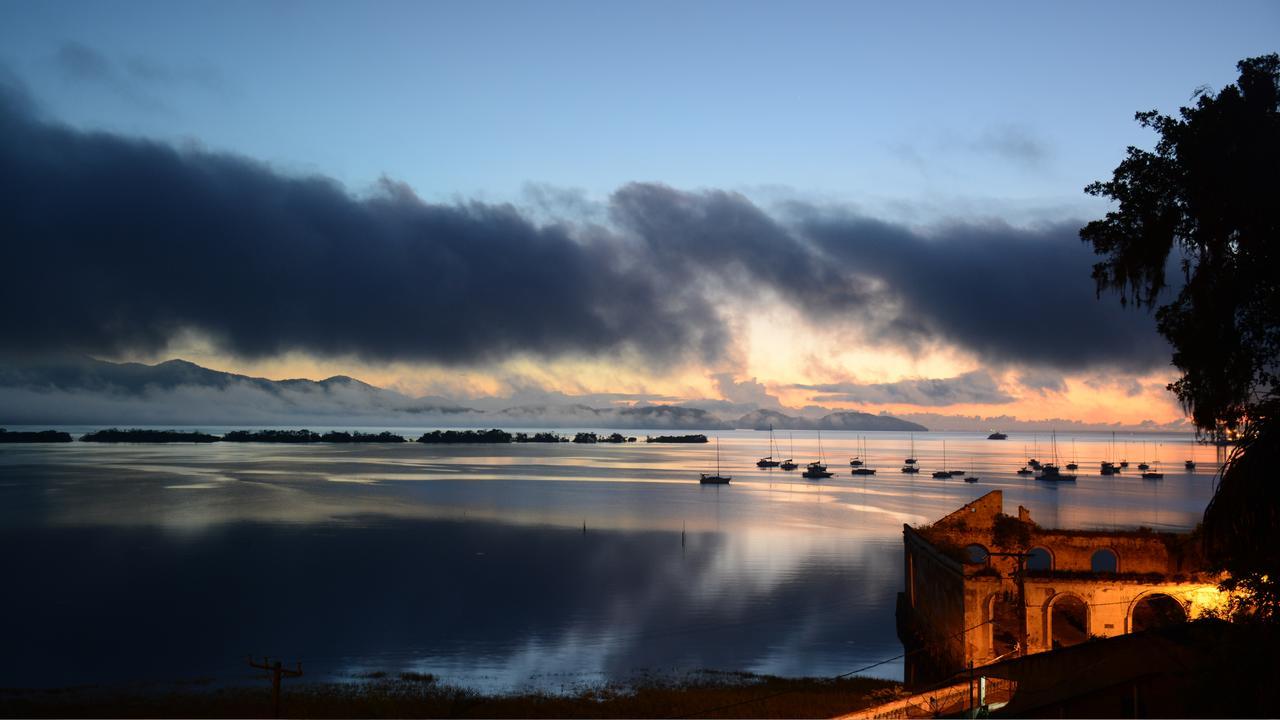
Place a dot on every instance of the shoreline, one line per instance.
(710, 694)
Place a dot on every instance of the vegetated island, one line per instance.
(306, 436)
(676, 439)
(39, 436)
(441, 437)
(590, 437)
(420, 695)
(451, 437)
(136, 435)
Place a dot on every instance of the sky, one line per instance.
(836, 205)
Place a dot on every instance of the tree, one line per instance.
(1208, 196)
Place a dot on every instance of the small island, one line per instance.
(307, 436)
(542, 437)
(495, 435)
(677, 439)
(138, 435)
(39, 436)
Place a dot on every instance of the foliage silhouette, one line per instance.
(307, 436)
(136, 435)
(677, 439)
(465, 436)
(1210, 192)
(40, 436)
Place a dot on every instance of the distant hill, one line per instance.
(82, 390)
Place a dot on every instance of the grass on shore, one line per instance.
(714, 695)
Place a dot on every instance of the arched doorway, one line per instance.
(1068, 621)
(1156, 610)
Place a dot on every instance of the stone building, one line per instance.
(983, 586)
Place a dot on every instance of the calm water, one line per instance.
(156, 564)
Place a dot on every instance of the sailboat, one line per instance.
(1026, 470)
(970, 477)
(1050, 471)
(790, 464)
(1032, 461)
(1143, 466)
(1073, 465)
(817, 468)
(910, 463)
(1153, 474)
(716, 479)
(866, 469)
(1108, 467)
(856, 460)
(954, 473)
(1124, 459)
(768, 461)
(943, 474)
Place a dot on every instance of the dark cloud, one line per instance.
(1042, 381)
(977, 387)
(714, 237)
(1010, 295)
(116, 245)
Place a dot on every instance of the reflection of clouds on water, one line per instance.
(471, 563)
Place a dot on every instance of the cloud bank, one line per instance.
(977, 387)
(118, 245)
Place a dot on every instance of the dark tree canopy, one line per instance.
(1210, 192)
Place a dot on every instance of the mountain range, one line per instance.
(83, 390)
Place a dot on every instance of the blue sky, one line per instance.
(914, 110)
(756, 204)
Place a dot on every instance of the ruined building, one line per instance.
(983, 586)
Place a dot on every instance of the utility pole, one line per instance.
(277, 672)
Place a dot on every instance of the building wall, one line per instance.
(952, 601)
(934, 602)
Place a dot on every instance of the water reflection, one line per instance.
(157, 563)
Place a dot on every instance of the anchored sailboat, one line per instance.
(865, 469)
(818, 468)
(768, 461)
(909, 465)
(943, 474)
(1050, 471)
(716, 479)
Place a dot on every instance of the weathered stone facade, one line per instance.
(981, 586)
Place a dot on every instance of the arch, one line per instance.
(1068, 620)
(1155, 610)
(1005, 626)
(976, 554)
(1104, 560)
(1040, 559)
